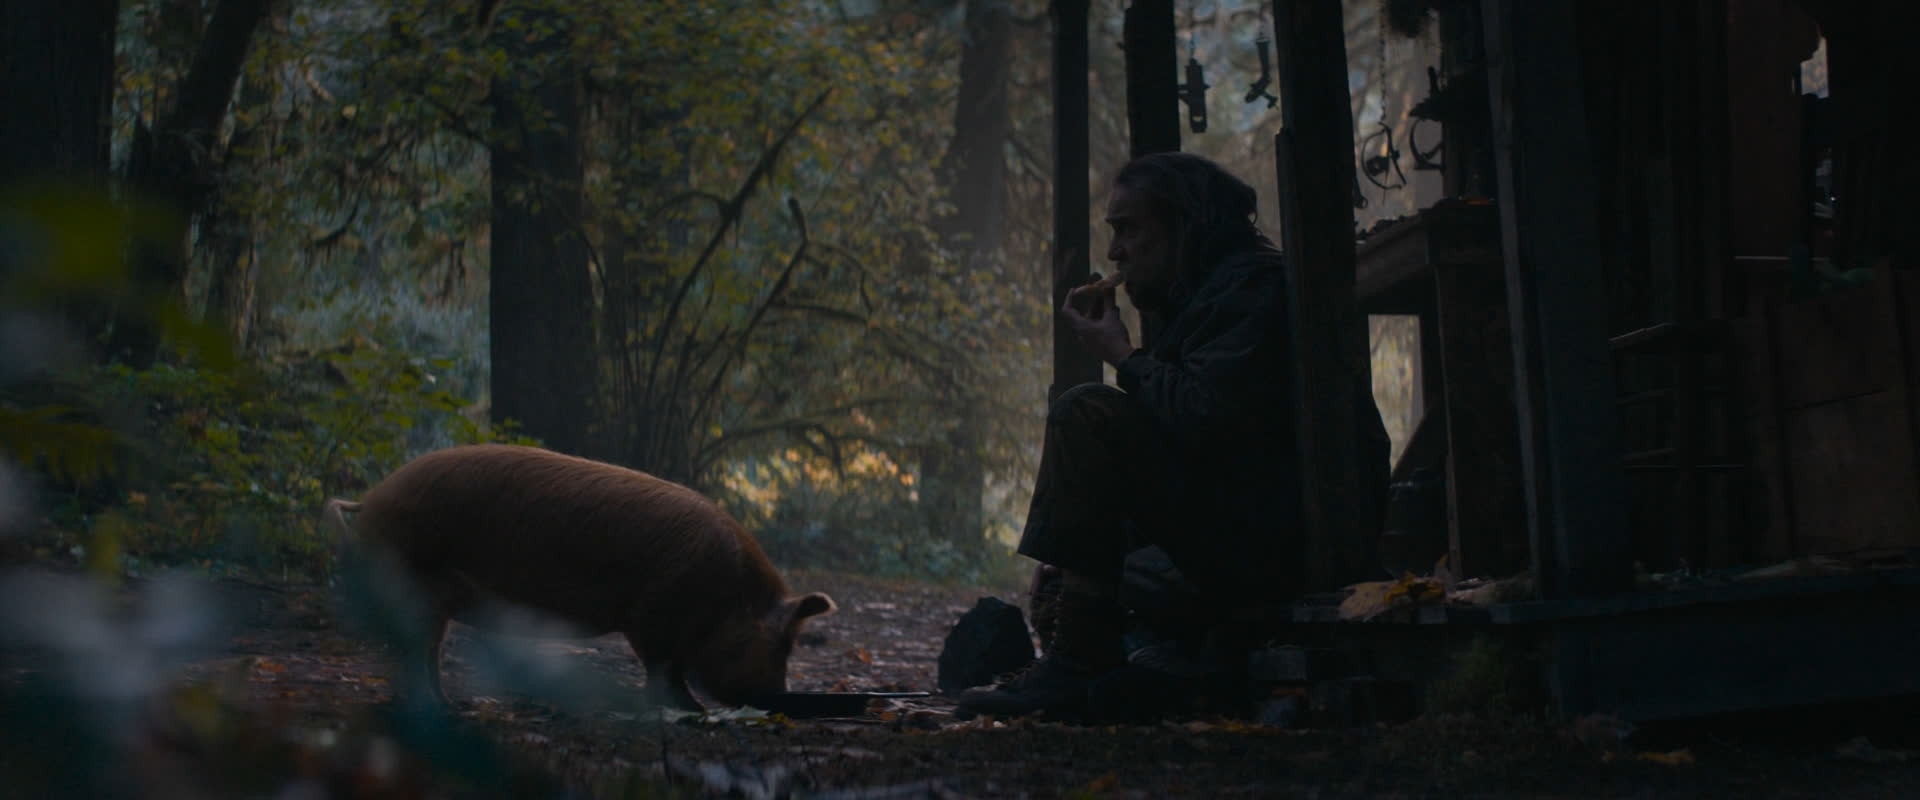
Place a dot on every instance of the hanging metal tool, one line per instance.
(1387, 160)
(1195, 94)
(1424, 159)
(1259, 87)
(1194, 91)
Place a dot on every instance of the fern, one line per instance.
(45, 436)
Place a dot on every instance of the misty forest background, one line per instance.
(793, 253)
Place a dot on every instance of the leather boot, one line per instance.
(1086, 645)
(1044, 596)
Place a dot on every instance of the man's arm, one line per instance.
(1231, 379)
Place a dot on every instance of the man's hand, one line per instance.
(1098, 325)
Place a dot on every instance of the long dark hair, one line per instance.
(1208, 209)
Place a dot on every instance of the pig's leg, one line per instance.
(666, 680)
(431, 662)
(451, 593)
(419, 678)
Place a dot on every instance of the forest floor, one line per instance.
(300, 694)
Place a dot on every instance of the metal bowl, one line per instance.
(803, 705)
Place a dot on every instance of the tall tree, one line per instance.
(232, 225)
(56, 67)
(174, 163)
(974, 171)
(541, 295)
(56, 64)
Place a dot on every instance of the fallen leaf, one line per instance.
(1676, 758)
(1373, 598)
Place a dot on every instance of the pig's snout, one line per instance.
(749, 665)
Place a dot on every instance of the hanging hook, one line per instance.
(1259, 87)
(1377, 165)
(1195, 93)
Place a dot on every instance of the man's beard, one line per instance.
(1146, 297)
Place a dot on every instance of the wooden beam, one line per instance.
(1072, 208)
(1314, 158)
(1153, 78)
(1563, 379)
(1153, 98)
(1486, 513)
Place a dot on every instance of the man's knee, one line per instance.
(1084, 400)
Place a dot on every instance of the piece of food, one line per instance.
(1106, 284)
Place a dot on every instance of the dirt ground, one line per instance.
(300, 697)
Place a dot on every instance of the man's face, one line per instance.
(1142, 248)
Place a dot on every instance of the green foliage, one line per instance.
(72, 451)
(859, 517)
(232, 468)
(66, 258)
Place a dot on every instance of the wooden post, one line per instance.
(1072, 364)
(1563, 381)
(1314, 158)
(1153, 78)
(1153, 97)
(1486, 512)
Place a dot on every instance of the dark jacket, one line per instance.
(1219, 379)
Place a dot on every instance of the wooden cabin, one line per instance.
(1670, 338)
(1664, 187)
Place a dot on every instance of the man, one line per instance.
(1194, 452)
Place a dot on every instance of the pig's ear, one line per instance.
(799, 609)
(813, 604)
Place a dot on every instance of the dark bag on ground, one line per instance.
(990, 640)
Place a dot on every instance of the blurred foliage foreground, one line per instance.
(201, 464)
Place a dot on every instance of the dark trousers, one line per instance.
(1104, 487)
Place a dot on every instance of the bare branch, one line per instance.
(731, 214)
(705, 401)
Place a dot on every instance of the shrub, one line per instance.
(228, 470)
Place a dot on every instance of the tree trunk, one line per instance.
(975, 172)
(173, 164)
(231, 289)
(541, 294)
(236, 271)
(56, 62)
(56, 67)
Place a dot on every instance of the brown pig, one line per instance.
(601, 547)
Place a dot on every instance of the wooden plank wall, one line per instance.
(1660, 125)
(1569, 431)
(1847, 420)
